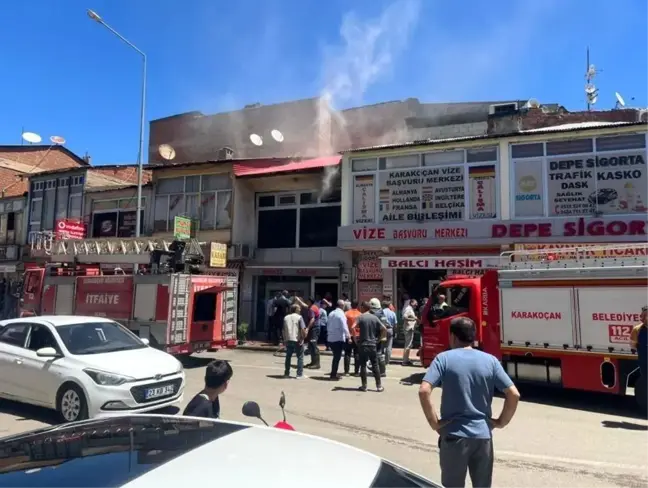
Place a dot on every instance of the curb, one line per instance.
(274, 349)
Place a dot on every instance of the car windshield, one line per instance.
(98, 337)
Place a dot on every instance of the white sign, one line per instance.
(483, 192)
(529, 188)
(609, 184)
(364, 199)
(440, 262)
(422, 194)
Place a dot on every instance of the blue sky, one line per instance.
(66, 75)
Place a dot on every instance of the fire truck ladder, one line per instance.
(610, 256)
(178, 316)
(112, 246)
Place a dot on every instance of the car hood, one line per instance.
(136, 363)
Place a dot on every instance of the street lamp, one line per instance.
(140, 154)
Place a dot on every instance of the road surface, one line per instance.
(556, 439)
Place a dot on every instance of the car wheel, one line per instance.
(71, 403)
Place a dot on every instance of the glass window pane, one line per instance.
(318, 226)
(191, 206)
(444, 157)
(575, 146)
(287, 199)
(105, 205)
(49, 201)
(131, 203)
(368, 164)
(176, 208)
(104, 224)
(170, 185)
(216, 182)
(266, 201)
(307, 198)
(207, 210)
(224, 210)
(61, 202)
(161, 212)
(481, 154)
(76, 202)
(36, 211)
(619, 143)
(411, 161)
(192, 184)
(532, 150)
(277, 229)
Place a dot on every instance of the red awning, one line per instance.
(267, 166)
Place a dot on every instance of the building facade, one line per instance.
(413, 214)
(285, 230)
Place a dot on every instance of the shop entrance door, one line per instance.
(326, 285)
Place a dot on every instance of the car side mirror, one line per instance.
(47, 352)
(146, 342)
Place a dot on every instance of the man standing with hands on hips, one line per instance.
(469, 378)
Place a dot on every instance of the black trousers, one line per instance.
(337, 348)
(351, 349)
(369, 353)
(313, 335)
(461, 455)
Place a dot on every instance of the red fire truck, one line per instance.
(560, 317)
(178, 312)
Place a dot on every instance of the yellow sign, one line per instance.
(562, 250)
(218, 255)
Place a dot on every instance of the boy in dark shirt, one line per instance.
(206, 404)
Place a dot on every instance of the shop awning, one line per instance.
(266, 167)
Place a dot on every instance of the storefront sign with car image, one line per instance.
(602, 184)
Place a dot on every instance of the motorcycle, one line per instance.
(252, 409)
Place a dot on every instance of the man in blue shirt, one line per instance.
(392, 321)
(469, 378)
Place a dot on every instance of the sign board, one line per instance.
(364, 199)
(608, 229)
(217, 255)
(181, 227)
(369, 289)
(599, 253)
(368, 267)
(69, 229)
(105, 296)
(440, 262)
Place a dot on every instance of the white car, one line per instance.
(151, 451)
(85, 367)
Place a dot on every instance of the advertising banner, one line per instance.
(421, 194)
(441, 262)
(369, 266)
(181, 227)
(609, 184)
(364, 199)
(529, 188)
(69, 229)
(369, 289)
(217, 255)
(596, 252)
(105, 296)
(483, 192)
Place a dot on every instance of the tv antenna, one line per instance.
(591, 92)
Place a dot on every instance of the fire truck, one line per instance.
(155, 287)
(560, 317)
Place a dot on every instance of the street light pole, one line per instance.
(140, 154)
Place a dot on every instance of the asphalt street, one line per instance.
(557, 438)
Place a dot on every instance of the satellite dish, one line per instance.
(166, 151)
(589, 88)
(256, 139)
(33, 138)
(57, 140)
(277, 135)
(620, 100)
(533, 103)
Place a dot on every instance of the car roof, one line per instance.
(168, 447)
(57, 320)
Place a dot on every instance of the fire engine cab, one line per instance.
(560, 317)
(152, 286)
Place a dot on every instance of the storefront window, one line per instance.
(110, 218)
(600, 176)
(430, 187)
(298, 220)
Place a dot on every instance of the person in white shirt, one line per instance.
(410, 321)
(294, 333)
(338, 336)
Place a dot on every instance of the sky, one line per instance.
(66, 75)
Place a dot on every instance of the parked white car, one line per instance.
(85, 367)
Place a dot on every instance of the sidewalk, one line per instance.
(397, 354)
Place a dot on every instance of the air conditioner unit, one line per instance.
(241, 252)
(503, 108)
